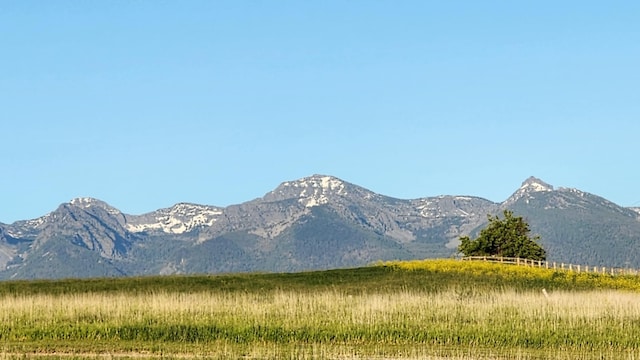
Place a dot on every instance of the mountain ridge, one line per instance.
(315, 222)
(531, 184)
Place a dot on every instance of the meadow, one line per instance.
(431, 309)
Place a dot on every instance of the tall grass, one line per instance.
(309, 316)
(588, 321)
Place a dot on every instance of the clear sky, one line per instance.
(144, 104)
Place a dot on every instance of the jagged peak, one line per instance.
(531, 185)
(534, 184)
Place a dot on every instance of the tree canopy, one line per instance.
(508, 237)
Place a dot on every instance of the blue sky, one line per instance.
(144, 104)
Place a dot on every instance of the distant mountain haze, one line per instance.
(317, 222)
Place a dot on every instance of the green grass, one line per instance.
(422, 309)
(425, 276)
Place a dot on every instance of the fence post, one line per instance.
(570, 267)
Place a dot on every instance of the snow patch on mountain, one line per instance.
(445, 206)
(83, 201)
(314, 200)
(572, 190)
(37, 223)
(314, 190)
(22, 228)
(320, 183)
(527, 189)
(321, 187)
(178, 219)
(88, 202)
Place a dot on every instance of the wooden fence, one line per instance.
(554, 265)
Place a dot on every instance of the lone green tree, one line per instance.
(508, 237)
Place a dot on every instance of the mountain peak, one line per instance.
(320, 181)
(85, 202)
(311, 190)
(89, 203)
(533, 184)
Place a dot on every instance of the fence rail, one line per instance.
(554, 265)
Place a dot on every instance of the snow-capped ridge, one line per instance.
(85, 201)
(310, 191)
(448, 205)
(190, 209)
(317, 188)
(178, 219)
(89, 202)
(324, 182)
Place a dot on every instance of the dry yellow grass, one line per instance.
(328, 324)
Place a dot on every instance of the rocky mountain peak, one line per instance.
(529, 186)
(311, 191)
(324, 182)
(88, 203)
(534, 184)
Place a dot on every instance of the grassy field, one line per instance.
(432, 309)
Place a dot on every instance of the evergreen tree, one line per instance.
(508, 237)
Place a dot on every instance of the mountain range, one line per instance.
(317, 222)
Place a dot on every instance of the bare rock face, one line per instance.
(88, 223)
